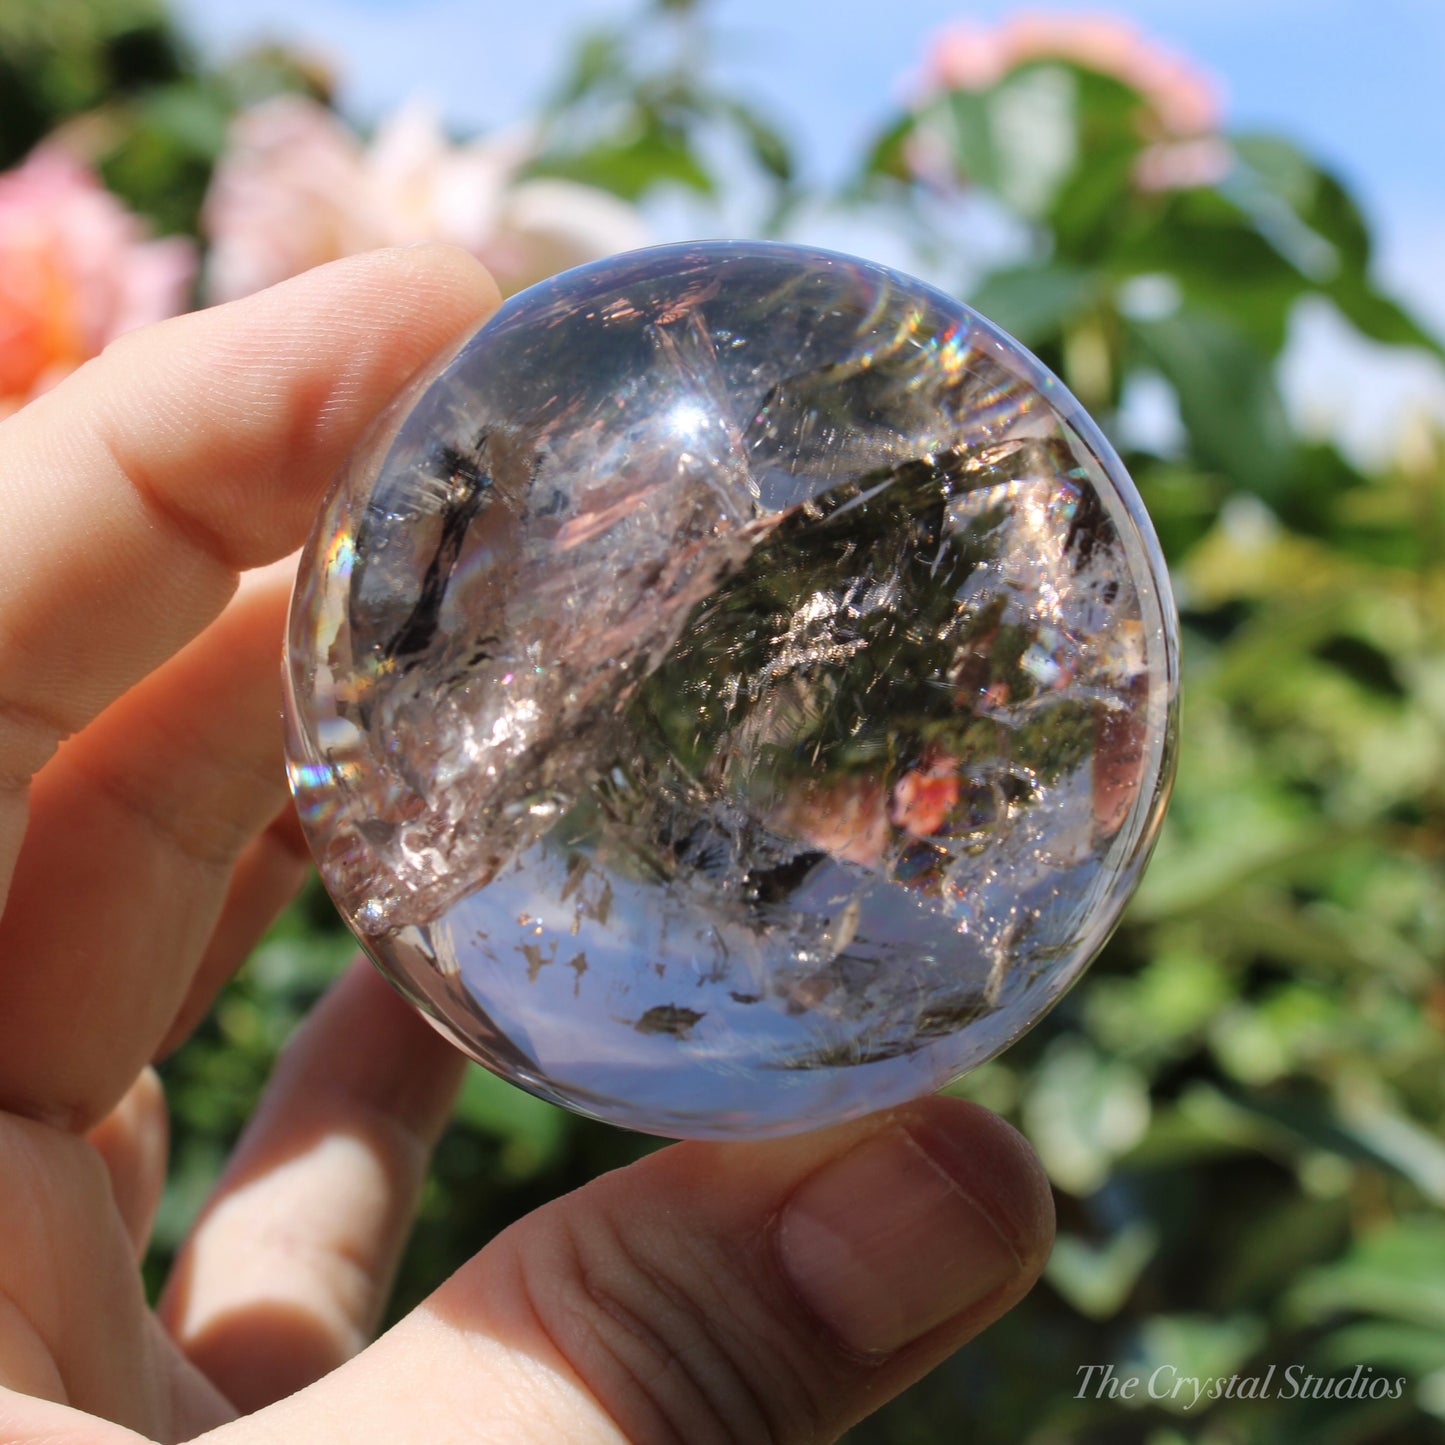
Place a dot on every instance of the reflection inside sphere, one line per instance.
(736, 693)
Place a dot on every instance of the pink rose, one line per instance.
(1182, 103)
(76, 270)
(296, 188)
(968, 56)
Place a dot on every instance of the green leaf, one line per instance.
(1282, 1241)
(1183, 501)
(192, 115)
(1375, 315)
(1083, 1111)
(1228, 400)
(598, 62)
(1299, 205)
(1415, 1349)
(1034, 303)
(1301, 1118)
(1017, 140)
(1414, 1151)
(1396, 1273)
(1309, 217)
(1085, 214)
(764, 140)
(62, 57)
(1194, 1347)
(1097, 1279)
(1212, 250)
(1095, 196)
(886, 155)
(532, 1131)
(658, 156)
(1159, 1010)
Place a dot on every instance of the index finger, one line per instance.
(133, 494)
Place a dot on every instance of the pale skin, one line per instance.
(747, 1292)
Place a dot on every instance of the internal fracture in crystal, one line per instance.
(736, 693)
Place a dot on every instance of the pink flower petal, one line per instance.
(76, 270)
(296, 188)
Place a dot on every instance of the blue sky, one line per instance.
(1361, 83)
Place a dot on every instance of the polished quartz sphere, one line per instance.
(735, 693)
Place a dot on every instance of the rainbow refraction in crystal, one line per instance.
(735, 693)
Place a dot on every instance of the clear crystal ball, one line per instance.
(735, 693)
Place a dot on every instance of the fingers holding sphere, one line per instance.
(714, 1293)
(132, 494)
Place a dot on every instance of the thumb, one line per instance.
(776, 1291)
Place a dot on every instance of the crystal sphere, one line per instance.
(735, 693)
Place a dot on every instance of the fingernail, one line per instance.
(886, 1243)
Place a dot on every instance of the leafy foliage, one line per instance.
(1240, 1109)
(637, 111)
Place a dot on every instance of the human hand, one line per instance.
(749, 1292)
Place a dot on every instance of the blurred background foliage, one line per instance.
(1240, 1109)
